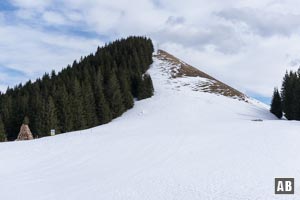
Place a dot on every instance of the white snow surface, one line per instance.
(180, 144)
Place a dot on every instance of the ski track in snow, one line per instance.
(179, 144)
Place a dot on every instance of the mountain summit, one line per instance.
(178, 69)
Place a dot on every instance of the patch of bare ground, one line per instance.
(182, 69)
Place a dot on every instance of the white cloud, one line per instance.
(32, 4)
(247, 43)
(262, 22)
(35, 51)
(54, 18)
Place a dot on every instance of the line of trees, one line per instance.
(93, 91)
(288, 101)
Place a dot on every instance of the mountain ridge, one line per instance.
(181, 69)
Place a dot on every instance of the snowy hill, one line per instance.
(189, 141)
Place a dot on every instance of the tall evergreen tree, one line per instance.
(102, 107)
(39, 116)
(113, 93)
(6, 112)
(2, 131)
(90, 114)
(51, 116)
(125, 88)
(63, 115)
(77, 106)
(145, 87)
(26, 120)
(296, 100)
(276, 107)
(287, 94)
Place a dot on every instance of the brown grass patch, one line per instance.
(182, 69)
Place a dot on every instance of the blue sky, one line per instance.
(247, 44)
(6, 6)
(266, 100)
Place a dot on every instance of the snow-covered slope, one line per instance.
(180, 144)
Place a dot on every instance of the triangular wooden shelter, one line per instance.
(25, 133)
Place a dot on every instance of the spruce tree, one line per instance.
(296, 100)
(144, 87)
(102, 107)
(2, 131)
(89, 105)
(148, 86)
(6, 112)
(113, 95)
(26, 120)
(125, 88)
(276, 107)
(287, 94)
(51, 116)
(63, 109)
(39, 115)
(77, 106)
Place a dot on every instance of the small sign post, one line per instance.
(52, 133)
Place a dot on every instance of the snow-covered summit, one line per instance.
(171, 73)
(183, 143)
(177, 68)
